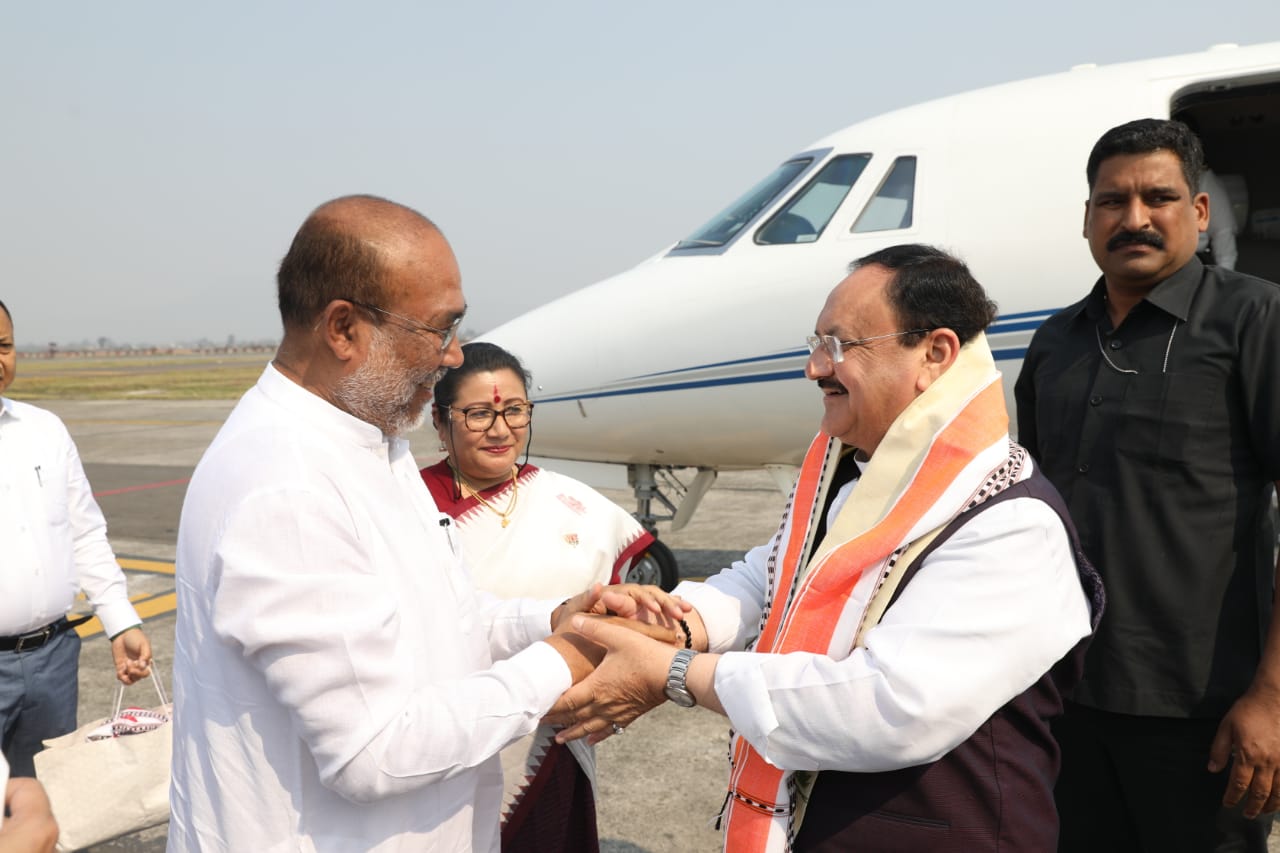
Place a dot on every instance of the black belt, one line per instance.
(33, 640)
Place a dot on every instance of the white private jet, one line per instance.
(695, 358)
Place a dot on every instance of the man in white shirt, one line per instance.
(890, 660)
(1217, 243)
(339, 684)
(55, 543)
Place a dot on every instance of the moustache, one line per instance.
(829, 384)
(1135, 238)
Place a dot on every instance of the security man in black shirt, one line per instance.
(1153, 405)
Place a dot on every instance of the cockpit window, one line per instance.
(894, 203)
(729, 222)
(804, 217)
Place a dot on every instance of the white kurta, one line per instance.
(990, 611)
(54, 535)
(334, 679)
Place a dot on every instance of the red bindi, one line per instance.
(497, 398)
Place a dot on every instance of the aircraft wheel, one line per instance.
(656, 566)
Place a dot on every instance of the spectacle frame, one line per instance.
(416, 327)
(482, 418)
(834, 347)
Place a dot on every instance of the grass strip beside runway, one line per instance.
(162, 377)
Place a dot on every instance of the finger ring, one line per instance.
(617, 729)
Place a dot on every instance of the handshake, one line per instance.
(619, 642)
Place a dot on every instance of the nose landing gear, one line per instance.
(658, 564)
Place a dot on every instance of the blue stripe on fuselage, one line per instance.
(1026, 321)
(1007, 354)
(680, 386)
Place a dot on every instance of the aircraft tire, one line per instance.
(655, 566)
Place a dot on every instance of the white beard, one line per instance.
(381, 390)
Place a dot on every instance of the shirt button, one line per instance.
(1116, 343)
(1095, 400)
(1083, 467)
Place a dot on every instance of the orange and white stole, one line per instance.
(931, 464)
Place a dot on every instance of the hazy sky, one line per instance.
(158, 157)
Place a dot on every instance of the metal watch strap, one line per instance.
(676, 675)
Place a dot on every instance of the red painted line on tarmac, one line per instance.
(142, 487)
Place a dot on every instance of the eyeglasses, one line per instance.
(481, 418)
(446, 335)
(834, 347)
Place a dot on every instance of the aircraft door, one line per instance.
(1238, 122)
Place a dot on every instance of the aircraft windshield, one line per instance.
(808, 212)
(729, 222)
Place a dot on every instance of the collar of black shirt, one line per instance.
(1173, 295)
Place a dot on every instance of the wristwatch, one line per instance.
(675, 689)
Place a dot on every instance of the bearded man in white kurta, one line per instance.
(339, 685)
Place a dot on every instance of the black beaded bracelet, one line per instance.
(688, 635)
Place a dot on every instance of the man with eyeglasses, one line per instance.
(889, 662)
(1153, 404)
(339, 684)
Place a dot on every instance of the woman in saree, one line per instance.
(526, 532)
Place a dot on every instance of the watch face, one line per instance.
(683, 698)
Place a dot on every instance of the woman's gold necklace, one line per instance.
(511, 506)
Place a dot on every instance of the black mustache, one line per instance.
(830, 385)
(1135, 238)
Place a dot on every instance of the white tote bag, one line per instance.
(113, 784)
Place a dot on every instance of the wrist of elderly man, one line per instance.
(580, 655)
(700, 680)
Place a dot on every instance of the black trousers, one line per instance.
(1139, 784)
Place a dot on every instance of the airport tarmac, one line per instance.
(661, 783)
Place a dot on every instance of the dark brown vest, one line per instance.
(992, 792)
